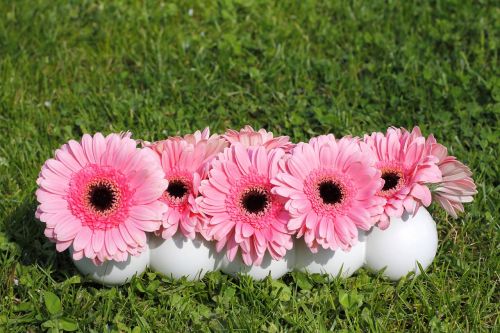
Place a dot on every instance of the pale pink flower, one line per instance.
(243, 213)
(193, 138)
(186, 164)
(406, 167)
(101, 196)
(214, 143)
(199, 136)
(248, 137)
(457, 185)
(331, 187)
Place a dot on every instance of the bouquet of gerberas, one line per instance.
(241, 201)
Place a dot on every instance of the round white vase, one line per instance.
(179, 256)
(408, 240)
(113, 273)
(269, 266)
(334, 263)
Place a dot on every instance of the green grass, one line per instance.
(296, 69)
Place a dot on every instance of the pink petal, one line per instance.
(62, 246)
(148, 226)
(296, 222)
(68, 160)
(143, 212)
(311, 220)
(67, 229)
(247, 230)
(422, 192)
(97, 240)
(241, 158)
(150, 192)
(138, 235)
(82, 239)
(109, 243)
(260, 160)
(59, 168)
(76, 149)
(99, 146)
(88, 148)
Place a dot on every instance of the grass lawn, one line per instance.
(160, 69)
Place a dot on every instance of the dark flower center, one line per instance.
(102, 196)
(177, 188)
(391, 180)
(330, 192)
(255, 201)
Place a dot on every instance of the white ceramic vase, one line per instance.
(334, 263)
(269, 266)
(180, 256)
(113, 273)
(408, 240)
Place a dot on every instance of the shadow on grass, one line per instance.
(33, 248)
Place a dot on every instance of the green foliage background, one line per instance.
(297, 68)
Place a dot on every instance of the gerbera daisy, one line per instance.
(330, 186)
(214, 143)
(193, 138)
(457, 185)
(199, 136)
(248, 137)
(242, 212)
(101, 196)
(406, 167)
(185, 165)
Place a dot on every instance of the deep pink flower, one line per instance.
(243, 213)
(330, 186)
(406, 167)
(186, 163)
(101, 196)
(248, 137)
(457, 185)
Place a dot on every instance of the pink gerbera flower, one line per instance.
(242, 211)
(101, 196)
(199, 136)
(189, 138)
(331, 188)
(185, 164)
(457, 185)
(248, 137)
(406, 167)
(214, 144)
